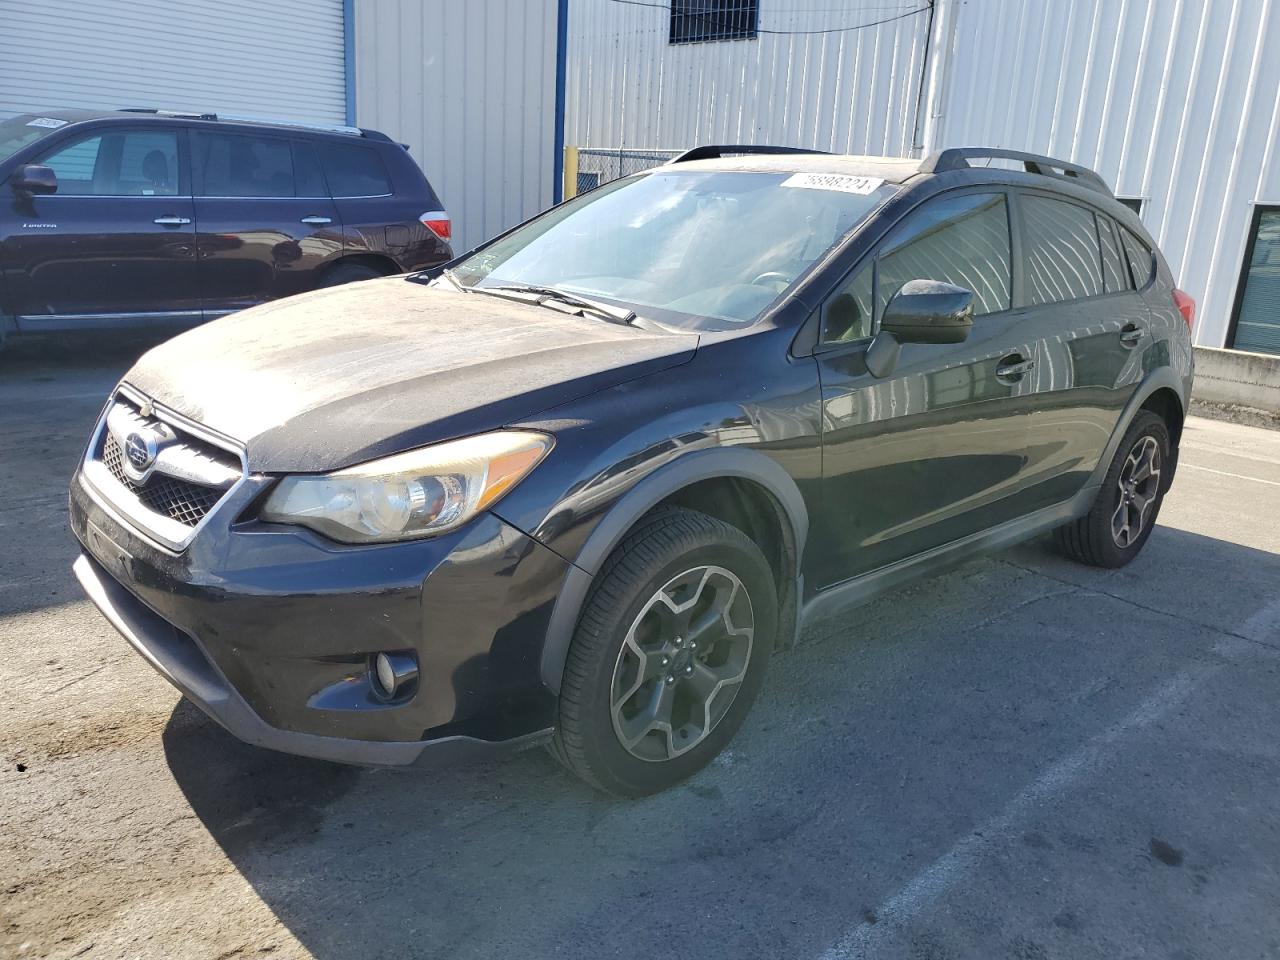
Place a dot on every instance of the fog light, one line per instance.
(394, 674)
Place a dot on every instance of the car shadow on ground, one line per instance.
(878, 744)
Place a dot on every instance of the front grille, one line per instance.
(186, 478)
(171, 497)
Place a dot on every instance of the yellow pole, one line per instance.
(570, 172)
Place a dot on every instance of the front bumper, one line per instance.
(269, 629)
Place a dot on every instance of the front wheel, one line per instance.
(1122, 517)
(668, 656)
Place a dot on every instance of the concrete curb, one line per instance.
(1238, 379)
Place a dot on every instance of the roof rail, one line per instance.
(175, 114)
(241, 118)
(716, 151)
(957, 158)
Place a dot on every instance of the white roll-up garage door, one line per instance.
(268, 58)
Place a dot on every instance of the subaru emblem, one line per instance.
(140, 450)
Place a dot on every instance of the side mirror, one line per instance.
(34, 178)
(922, 311)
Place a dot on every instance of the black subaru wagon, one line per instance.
(135, 218)
(578, 486)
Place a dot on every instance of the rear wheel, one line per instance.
(348, 273)
(1124, 513)
(668, 656)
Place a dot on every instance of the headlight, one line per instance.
(416, 494)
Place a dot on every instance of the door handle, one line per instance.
(1013, 368)
(317, 220)
(1130, 334)
(172, 221)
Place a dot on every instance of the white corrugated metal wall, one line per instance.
(1173, 101)
(814, 83)
(471, 88)
(278, 59)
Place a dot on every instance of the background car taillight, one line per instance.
(1186, 306)
(437, 221)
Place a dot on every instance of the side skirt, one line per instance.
(851, 593)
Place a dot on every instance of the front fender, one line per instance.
(609, 531)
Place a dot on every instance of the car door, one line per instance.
(1091, 328)
(265, 225)
(932, 452)
(115, 244)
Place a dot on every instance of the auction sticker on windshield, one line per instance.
(833, 181)
(49, 122)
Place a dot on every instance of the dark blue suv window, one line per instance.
(354, 170)
(235, 165)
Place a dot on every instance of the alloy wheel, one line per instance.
(682, 663)
(1139, 484)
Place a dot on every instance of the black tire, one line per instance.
(348, 273)
(1090, 539)
(661, 547)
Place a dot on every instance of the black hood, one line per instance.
(347, 374)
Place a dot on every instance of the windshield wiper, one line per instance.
(452, 277)
(605, 310)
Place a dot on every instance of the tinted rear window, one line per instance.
(1139, 256)
(1061, 251)
(354, 170)
(1117, 275)
(235, 165)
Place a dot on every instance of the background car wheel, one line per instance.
(1123, 515)
(668, 656)
(348, 273)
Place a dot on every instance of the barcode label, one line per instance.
(833, 181)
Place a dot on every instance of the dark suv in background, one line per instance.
(135, 218)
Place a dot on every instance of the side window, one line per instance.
(235, 165)
(1062, 253)
(354, 170)
(130, 163)
(1139, 257)
(306, 169)
(962, 240)
(1114, 273)
(148, 164)
(846, 316)
(74, 166)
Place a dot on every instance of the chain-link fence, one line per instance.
(585, 168)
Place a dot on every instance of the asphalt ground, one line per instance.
(1025, 758)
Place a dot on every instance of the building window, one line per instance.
(1133, 203)
(1257, 316)
(697, 21)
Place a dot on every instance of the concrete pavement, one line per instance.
(1025, 758)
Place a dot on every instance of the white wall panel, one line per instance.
(1174, 101)
(471, 88)
(817, 84)
(283, 58)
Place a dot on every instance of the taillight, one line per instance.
(1186, 306)
(437, 221)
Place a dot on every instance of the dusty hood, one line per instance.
(343, 375)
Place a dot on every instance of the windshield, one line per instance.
(20, 131)
(701, 249)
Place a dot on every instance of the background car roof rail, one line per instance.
(175, 114)
(957, 158)
(265, 121)
(716, 151)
